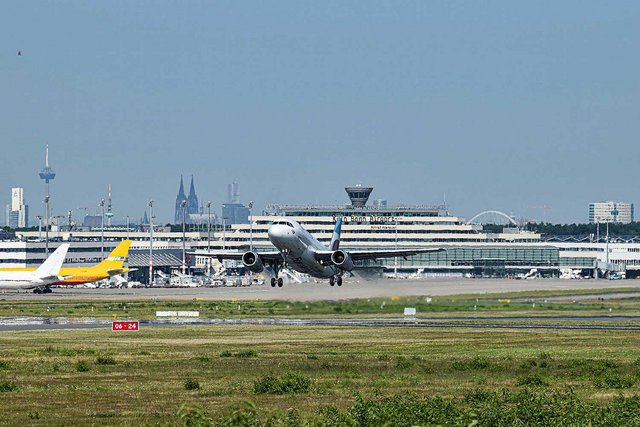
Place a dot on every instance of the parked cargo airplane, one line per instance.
(111, 266)
(41, 277)
(298, 249)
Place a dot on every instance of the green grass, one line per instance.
(308, 372)
(476, 305)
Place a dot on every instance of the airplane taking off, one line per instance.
(111, 266)
(39, 278)
(298, 249)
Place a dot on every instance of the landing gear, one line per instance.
(42, 290)
(335, 280)
(273, 282)
(280, 282)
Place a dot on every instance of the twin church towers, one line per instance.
(192, 206)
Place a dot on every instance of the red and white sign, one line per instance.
(125, 326)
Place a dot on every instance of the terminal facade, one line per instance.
(471, 251)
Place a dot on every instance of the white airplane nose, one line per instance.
(278, 232)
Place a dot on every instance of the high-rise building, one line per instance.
(17, 211)
(613, 212)
(234, 212)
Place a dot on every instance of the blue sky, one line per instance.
(499, 104)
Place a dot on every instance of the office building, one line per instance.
(17, 212)
(612, 212)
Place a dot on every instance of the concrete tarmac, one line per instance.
(316, 291)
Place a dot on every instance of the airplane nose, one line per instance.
(277, 232)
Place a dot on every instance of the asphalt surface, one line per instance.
(313, 291)
(60, 323)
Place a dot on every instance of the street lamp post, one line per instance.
(209, 237)
(224, 233)
(250, 226)
(183, 205)
(151, 242)
(39, 227)
(102, 230)
(395, 259)
(250, 237)
(69, 223)
(46, 224)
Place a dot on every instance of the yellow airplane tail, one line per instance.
(114, 263)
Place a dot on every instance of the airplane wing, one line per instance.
(377, 253)
(234, 255)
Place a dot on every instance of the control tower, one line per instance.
(46, 174)
(358, 195)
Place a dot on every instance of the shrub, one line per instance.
(82, 366)
(4, 365)
(191, 384)
(614, 381)
(241, 354)
(477, 363)
(7, 386)
(289, 383)
(105, 360)
(532, 380)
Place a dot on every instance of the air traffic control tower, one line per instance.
(358, 195)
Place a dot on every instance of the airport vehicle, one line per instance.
(40, 278)
(299, 250)
(112, 265)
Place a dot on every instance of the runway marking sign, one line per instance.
(120, 325)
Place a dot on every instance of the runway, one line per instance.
(312, 291)
(18, 323)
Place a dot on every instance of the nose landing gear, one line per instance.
(335, 280)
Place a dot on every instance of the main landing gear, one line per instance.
(42, 290)
(335, 280)
(277, 281)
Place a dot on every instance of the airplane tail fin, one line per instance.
(51, 266)
(335, 238)
(113, 263)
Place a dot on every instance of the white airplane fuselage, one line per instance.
(298, 247)
(22, 280)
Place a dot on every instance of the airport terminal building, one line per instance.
(470, 250)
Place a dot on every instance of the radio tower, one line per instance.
(47, 174)
(109, 213)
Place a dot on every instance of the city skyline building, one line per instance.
(17, 215)
(612, 212)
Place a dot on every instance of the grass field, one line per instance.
(514, 303)
(331, 376)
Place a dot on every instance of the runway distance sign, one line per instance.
(119, 325)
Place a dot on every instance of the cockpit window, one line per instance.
(284, 223)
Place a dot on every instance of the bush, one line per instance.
(105, 360)
(4, 365)
(241, 354)
(614, 381)
(289, 383)
(82, 366)
(191, 384)
(7, 386)
(477, 363)
(532, 380)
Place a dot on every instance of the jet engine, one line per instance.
(252, 261)
(342, 259)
